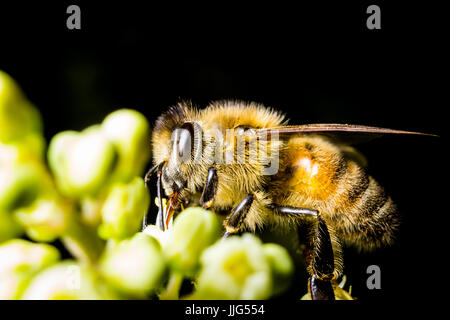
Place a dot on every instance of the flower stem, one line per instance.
(172, 291)
(82, 242)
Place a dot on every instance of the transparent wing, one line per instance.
(343, 133)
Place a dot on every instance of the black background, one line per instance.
(316, 63)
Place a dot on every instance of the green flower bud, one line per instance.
(21, 184)
(281, 266)
(68, 280)
(33, 146)
(29, 149)
(155, 232)
(9, 154)
(57, 153)
(129, 131)
(18, 117)
(236, 268)
(91, 210)
(82, 241)
(45, 219)
(135, 267)
(9, 228)
(20, 260)
(123, 210)
(193, 230)
(81, 162)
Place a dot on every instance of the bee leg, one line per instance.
(160, 215)
(210, 189)
(322, 257)
(155, 168)
(322, 263)
(235, 221)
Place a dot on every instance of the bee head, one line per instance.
(177, 141)
(185, 151)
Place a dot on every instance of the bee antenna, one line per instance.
(150, 172)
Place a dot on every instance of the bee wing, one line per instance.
(343, 133)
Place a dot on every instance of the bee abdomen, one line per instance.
(370, 219)
(371, 200)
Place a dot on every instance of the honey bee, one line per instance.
(244, 159)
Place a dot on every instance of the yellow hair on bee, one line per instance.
(239, 179)
(232, 114)
(164, 126)
(321, 175)
(315, 172)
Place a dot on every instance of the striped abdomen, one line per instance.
(320, 176)
(367, 217)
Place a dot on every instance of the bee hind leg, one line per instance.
(321, 259)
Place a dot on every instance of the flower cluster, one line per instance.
(85, 192)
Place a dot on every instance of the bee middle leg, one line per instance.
(321, 259)
(235, 221)
(210, 189)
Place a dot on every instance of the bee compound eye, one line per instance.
(184, 143)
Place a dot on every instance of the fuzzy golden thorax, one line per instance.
(213, 126)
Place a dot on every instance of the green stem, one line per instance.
(82, 242)
(172, 291)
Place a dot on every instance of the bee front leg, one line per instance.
(235, 221)
(321, 258)
(210, 189)
(156, 168)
